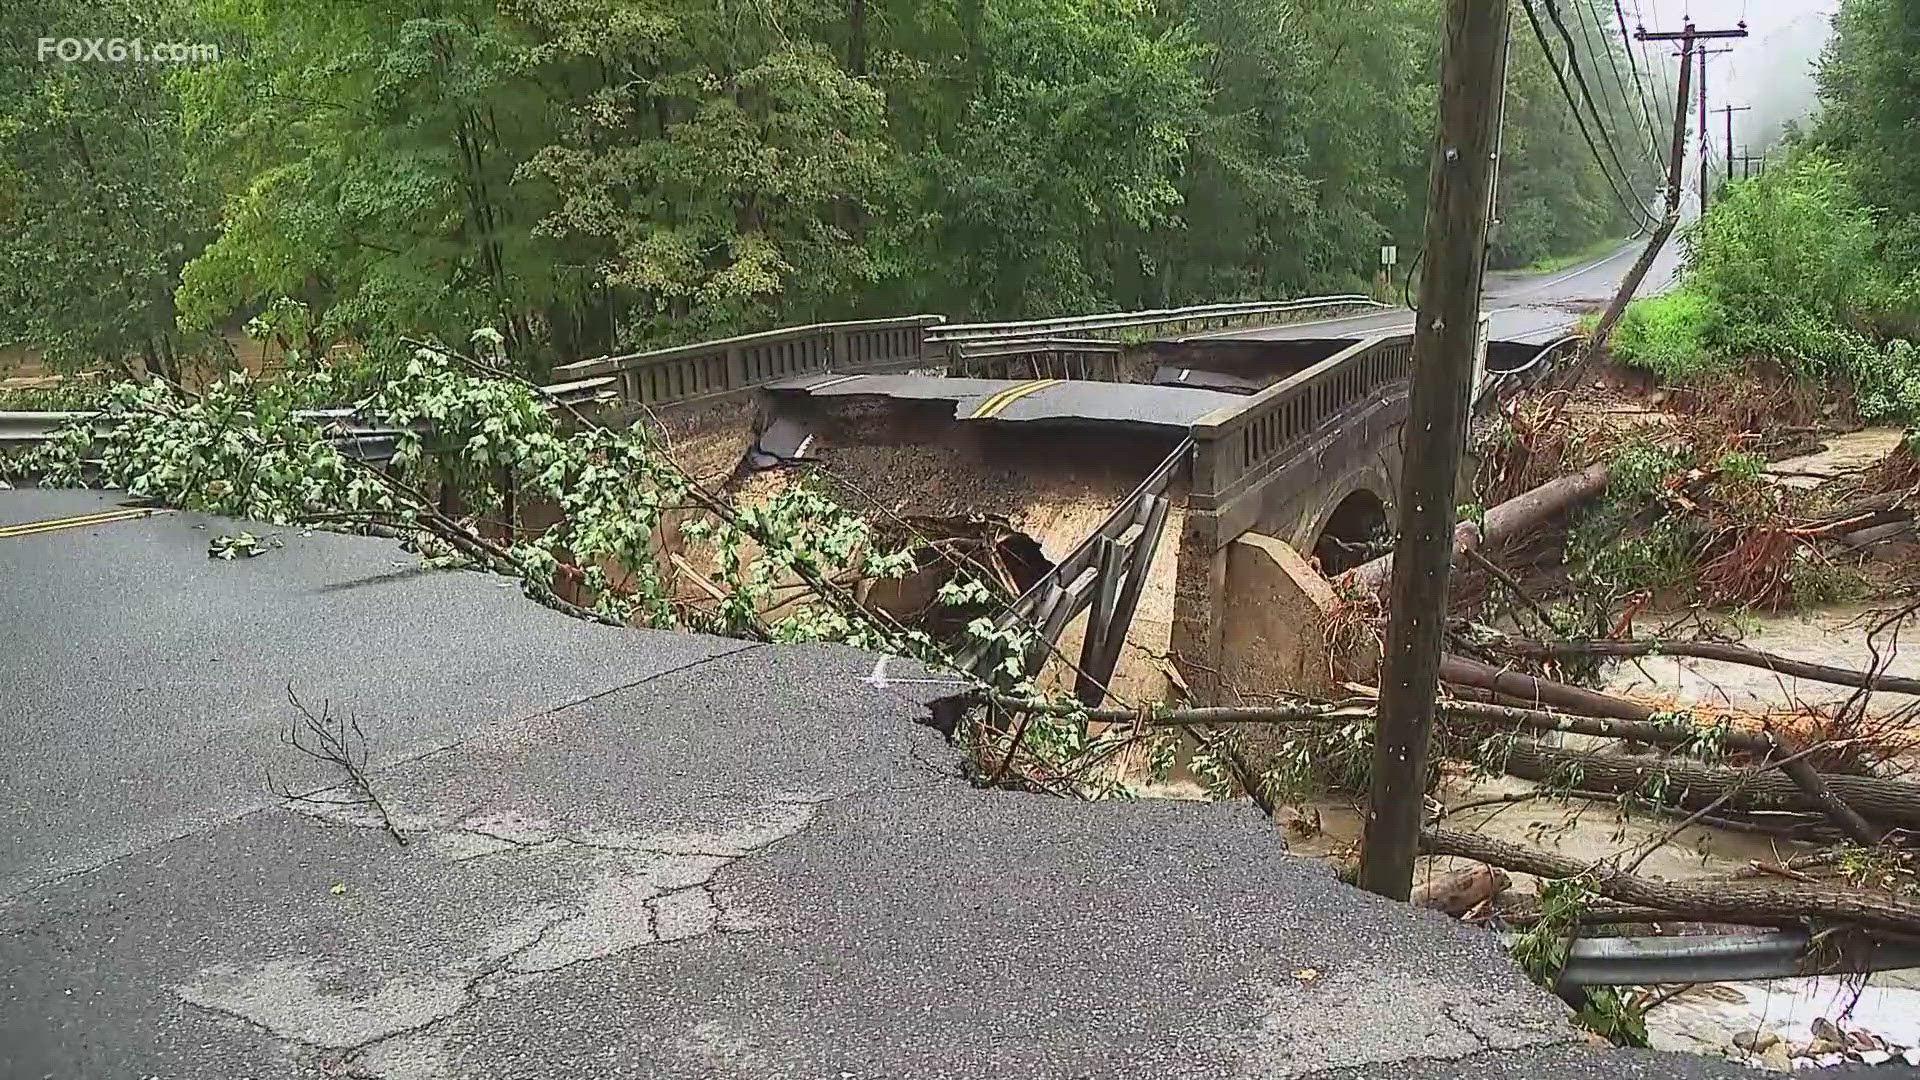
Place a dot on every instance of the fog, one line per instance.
(1771, 70)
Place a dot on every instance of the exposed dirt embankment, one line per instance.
(891, 461)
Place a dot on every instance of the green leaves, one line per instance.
(244, 449)
(229, 548)
(96, 213)
(1789, 266)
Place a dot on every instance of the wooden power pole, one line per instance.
(1676, 162)
(1459, 185)
(1729, 110)
(1706, 141)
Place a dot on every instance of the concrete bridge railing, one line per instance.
(1077, 344)
(1238, 449)
(712, 369)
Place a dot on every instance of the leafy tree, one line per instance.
(714, 159)
(1067, 153)
(370, 151)
(594, 175)
(1869, 80)
(97, 213)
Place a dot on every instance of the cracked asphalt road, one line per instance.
(628, 854)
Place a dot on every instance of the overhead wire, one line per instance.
(1586, 92)
(1661, 106)
(1630, 205)
(1596, 38)
(1645, 98)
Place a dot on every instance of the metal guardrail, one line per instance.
(996, 348)
(1643, 961)
(368, 442)
(1200, 317)
(712, 369)
(21, 429)
(343, 427)
(1038, 358)
(1106, 572)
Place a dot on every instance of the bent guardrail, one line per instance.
(1106, 572)
(1038, 358)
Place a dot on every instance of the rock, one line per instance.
(1828, 1061)
(1862, 1039)
(1756, 1042)
(1825, 1030)
(1820, 1047)
(1912, 1056)
(1839, 455)
(1775, 1057)
(1875, 1057)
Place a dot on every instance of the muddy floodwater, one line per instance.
(1834, 635)
(1780, 1024)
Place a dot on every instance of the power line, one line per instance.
(1596, 39)
(1629, 205)
(1646, 109)
(1586, 93)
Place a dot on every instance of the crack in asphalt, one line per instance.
(650, 890)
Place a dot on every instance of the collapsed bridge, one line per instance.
(1167, 464)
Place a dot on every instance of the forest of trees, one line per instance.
(591, 175)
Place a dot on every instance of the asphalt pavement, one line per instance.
(626, 854)
(1525, 308)
(1038, 401)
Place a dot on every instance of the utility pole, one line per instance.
(1704, 186)
(1676, 162)
(1499, 148)
(1459, 186)
(1729, 110)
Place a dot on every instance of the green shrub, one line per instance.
(1887, 381)
(1791, 266)
(1667, 334)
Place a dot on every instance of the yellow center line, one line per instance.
(992, 400)
(998, 403)
(31, 528)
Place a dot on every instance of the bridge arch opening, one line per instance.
(1356, 532)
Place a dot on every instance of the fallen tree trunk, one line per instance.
(1718, 898)
(1308, 712)
(1689, 784)
(1622, 914)
(1642, 731)
(1522, 513)
(1456, 892)
(1533, 690)
(1710, 650)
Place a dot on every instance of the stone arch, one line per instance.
(1357, 517)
